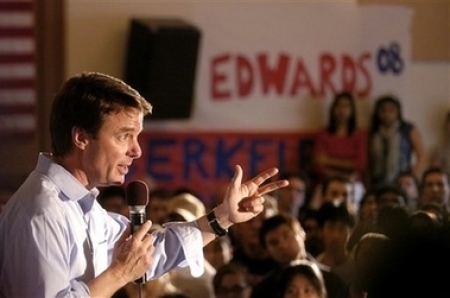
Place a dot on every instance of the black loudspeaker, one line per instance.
(161, 65)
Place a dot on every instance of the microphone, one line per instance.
(137, 199)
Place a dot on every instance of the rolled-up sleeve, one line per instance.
(179, 245)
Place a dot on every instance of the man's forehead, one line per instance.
(432, 177)
(339, 185)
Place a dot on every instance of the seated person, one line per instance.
(231, 280)
(302, 279)
(284, 239)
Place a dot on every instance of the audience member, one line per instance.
(231, 281)
(412, 270)
(395, 144)
(336, 225)
(435, 188)
(393, 221)
(422, 221)
(187, 207)
(302, 279)
(295, 197)
(336, 189)
(409, 183)
(313, 237)
(440, 154)
(436, 209)
(341, 148)
(219, 251)
(371, 259)
(367, 218)
(390, 194)
(156, 209)
(284, 239)
(247, 250)
(114, 199)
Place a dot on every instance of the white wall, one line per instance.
(97, 35)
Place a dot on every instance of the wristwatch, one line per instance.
(214, 224)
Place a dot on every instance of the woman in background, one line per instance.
(302, 279)
(341, 148)
(395, 144)
(440, 156)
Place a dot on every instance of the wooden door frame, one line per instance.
(50, 61)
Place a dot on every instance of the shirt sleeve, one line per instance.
(179, 245)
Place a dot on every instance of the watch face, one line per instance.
(214, 224)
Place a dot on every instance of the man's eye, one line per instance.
(123, 137)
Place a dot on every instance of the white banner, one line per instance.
(275, 66)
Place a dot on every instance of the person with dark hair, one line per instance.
(395, 144)
(371, 258)
(114, 199)
(437, 211)
(156, 209)
(393, 221)
(336, 225)
(284, 238)
(409, 183)
(336, 189)
(302, 279)
(219, 252)
(231, 280)
(367, 217)
(248, 250)
(313, 237)
(440, 154)
(390, 194)
(294, 198)
(435, 188)
(341, 148)
(55, 238)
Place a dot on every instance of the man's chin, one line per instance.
(115, 181)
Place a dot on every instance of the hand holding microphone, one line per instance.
(133, 254)
(137, 199)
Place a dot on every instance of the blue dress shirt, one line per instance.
(55, 237)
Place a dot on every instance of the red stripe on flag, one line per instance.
(12, 134)
(16, 32)
(6, 109)
(16, 6)
(17, 111)
(16, 58)
(16, 83)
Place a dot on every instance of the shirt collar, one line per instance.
(71, 188)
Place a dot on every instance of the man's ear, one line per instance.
(80, 138)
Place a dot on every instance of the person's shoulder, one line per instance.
(37, 196)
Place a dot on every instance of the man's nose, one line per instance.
(135, 150)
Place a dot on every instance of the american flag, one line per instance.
(17, 68)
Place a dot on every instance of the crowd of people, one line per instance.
(369, 219)
(364, 224)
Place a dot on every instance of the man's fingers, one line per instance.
(265, 189)
(126, 233)
(237, 179)
(267, 174)
(148, 241)
(251, 202)
(143, 230)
